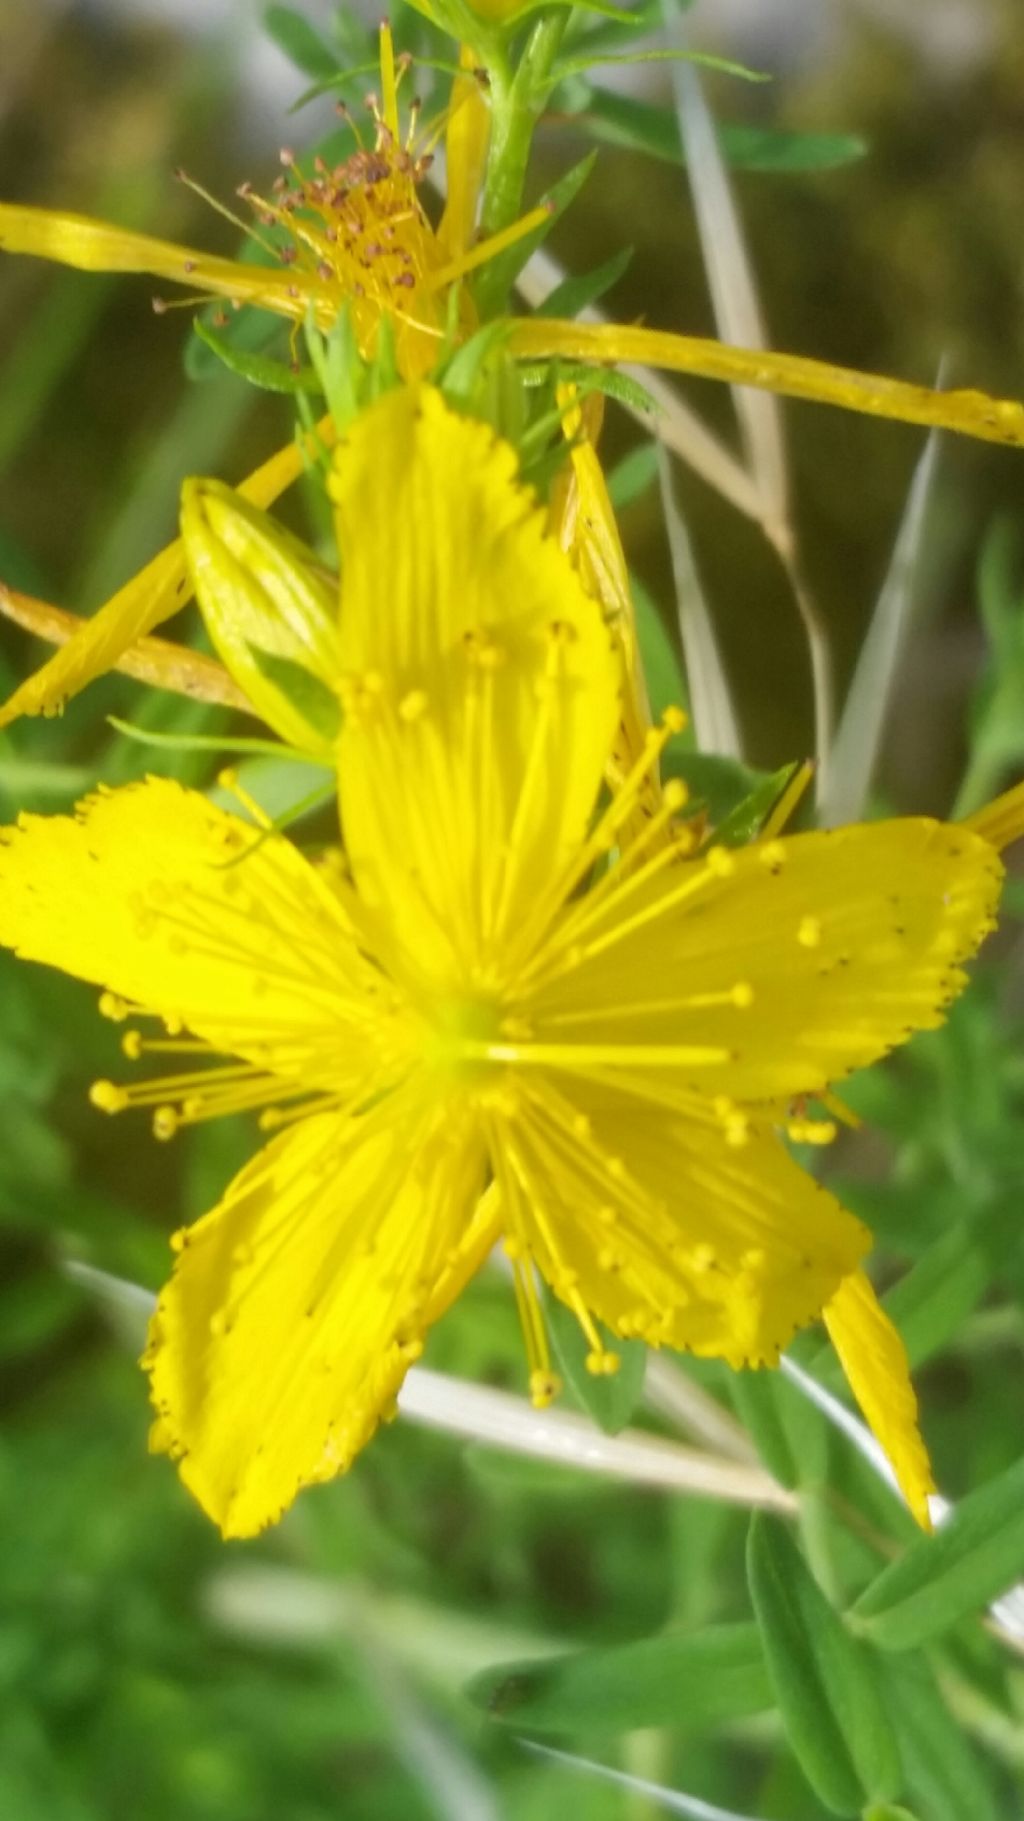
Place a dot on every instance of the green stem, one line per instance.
(517, 102)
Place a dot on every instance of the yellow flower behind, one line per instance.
(504, 1015)
(357, 235)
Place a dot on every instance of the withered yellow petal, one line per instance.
(154, 661)
(480, 686)
(662, 1227)
(297, 1305)
(154, 595)
(970, 413)
(99, 246)
(262, 595)
(874, 1360)
(780, 967)
(178, 907)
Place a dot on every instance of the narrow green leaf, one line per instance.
(633, 475)
(746, 820)
(576, 293)
(500, 273)
(692, 1681)
(823, 1678)
(958, 1571)
(268, 375)
(721, 784)
(611, 1400)
(945, 1779)
(755, 1399)
(638, 126)
(296, 38)
(662, 668)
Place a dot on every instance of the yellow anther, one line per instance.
(721, 862)
(737, 1131)
(809, 932)
(602, 1363)
(513, 1247)
(773, 853)
(796, 1129)
(178, 1240)
(674, 794)
(413, 706)
(673, 720)
(228, 778)
(702, 1257)
(820, 1131)
(723, 1106)
(165, 1123)
(743, 994)
(108, 1097)
(113, 1008)
(544, 1388)
(131, 1044)
(753, 1260)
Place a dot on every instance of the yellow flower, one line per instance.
(357, 235)
(499, 1017)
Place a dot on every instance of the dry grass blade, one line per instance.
(673, 1801)
(850, 764)
(732, 285)
(714, 720)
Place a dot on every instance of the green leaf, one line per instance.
(633, 475)
(824, 1680)
(296, 38)
(576, 293)
(500, 273)
(663, 671)
(269, 375)
(639, 127)
(746, 820)
(944, 1776)
(958, 1571)
(724, 785)
(755, 1398)
(610, 1401)
(693, 1681)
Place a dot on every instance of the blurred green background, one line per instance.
(148, 1670)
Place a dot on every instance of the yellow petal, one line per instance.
(154, 595)
(996, 420)
(98, 246)
(771, 970)
(261, 594)
(297, 1305)
(480, 685)
(466, 140)
(661, 1227)
(875, 1362)
(174, 905)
